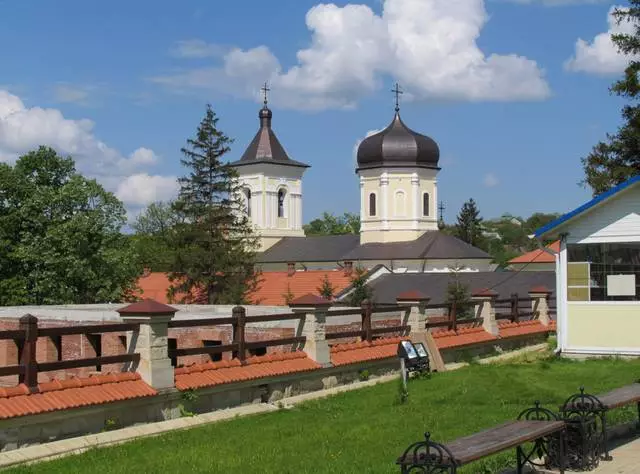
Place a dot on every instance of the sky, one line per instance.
(515, 92)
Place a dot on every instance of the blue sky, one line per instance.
(121, 85)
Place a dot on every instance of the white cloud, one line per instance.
(23, 129)
(196, 49)
(429, 46)
(141, 189)
(601, 55)
(491, 180)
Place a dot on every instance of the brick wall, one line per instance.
(84, 347)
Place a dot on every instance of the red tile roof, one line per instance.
(72, 393)
(147, 306)
(351, 353)
(412, 295)
(228, 371)
(272, 288)
(464, 337)
(509, 329)
(538, 256)
(275, 285)
(310, 300)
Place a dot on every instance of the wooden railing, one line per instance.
(509, 308)
(26, 337)
(367, 331)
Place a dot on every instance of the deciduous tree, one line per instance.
(60, 235)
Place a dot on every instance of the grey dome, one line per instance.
(398, 146)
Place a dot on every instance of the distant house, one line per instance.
(598, 270)
(537, 260)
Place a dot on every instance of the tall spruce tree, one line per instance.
(215, 244)
(469, 225)
(618, 157)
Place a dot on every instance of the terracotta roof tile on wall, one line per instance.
(509, 329)
(351, 353)
(464, 337)
(72, 393)
(229, 371)
(538, 256)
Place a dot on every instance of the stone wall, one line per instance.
(30, 430)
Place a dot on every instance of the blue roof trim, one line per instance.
(579, 210)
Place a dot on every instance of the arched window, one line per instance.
(281, 195)
(247, 198)
(372, 204)
(399, 204)
(425, 204)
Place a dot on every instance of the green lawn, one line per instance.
(361, 431)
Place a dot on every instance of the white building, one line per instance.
(598, 273)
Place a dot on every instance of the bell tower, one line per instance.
(271, 184)
(398, 187)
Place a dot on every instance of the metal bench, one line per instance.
(535, 425)
(588, 415)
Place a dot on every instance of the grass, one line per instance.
(361, 431)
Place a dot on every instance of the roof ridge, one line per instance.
(55, 385)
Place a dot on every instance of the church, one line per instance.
(400, 247)
(397, 170)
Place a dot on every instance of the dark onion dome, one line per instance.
(398, 146)
(265, 146)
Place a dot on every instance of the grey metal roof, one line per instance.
(265, 146)
(431, 245)
(322, 248)
(387, 287)
(398, 145)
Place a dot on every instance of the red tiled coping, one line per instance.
(464, 337)
(228, 371)
(509, 329)
(72, 393)
(351, 353)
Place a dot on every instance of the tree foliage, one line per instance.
(329, 224)
(618, 157)
(326, 289)
(60, 239)
(214, 244)
(469, 224)
(360, 289)
(154, 231)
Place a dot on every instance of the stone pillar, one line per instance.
(151, 341)
(485, 309)
(540, 304)
(314, 326)
(417, 313)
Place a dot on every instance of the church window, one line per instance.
(247, 197)
(425, 204)
(372, 204)
(281, 195)
(399, 204)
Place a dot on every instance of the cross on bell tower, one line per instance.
(265, 89)
(441, 209)
(398, 92)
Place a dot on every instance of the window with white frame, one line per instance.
(282, 194)
(603, 272)
(247, 201)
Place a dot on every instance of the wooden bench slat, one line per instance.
(621, 396)
(500, 438)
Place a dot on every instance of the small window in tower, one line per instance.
(247, 197)
(399, 210)
(425, 204)
(372, 204)
(281, 195)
